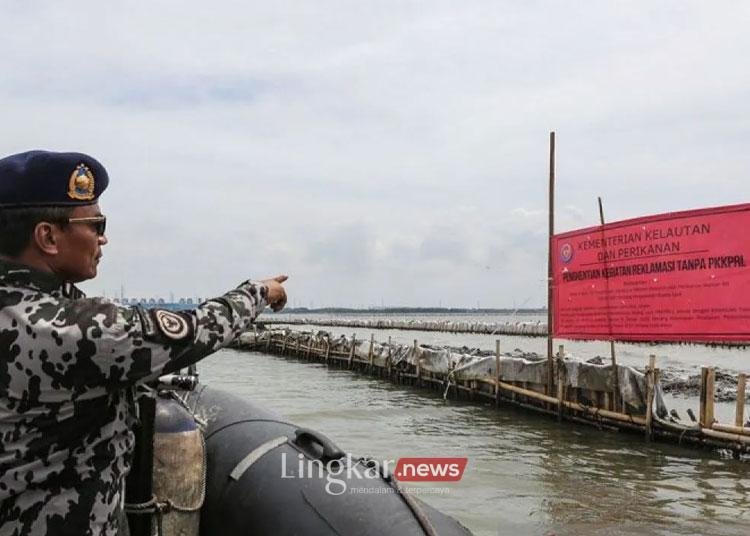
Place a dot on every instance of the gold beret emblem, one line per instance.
(81, 184)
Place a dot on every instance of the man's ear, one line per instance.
(45, 237)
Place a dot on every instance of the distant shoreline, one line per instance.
(355, 311)
(410, 310)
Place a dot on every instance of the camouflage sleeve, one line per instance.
(101, 345)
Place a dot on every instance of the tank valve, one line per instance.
(177, 382)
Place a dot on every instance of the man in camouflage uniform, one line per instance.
(68, 363)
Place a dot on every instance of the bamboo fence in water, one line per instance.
(605, 409)
(528, 329)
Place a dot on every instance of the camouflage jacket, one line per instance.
(67, 366)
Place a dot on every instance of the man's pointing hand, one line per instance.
(276, 296)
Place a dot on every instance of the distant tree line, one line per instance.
(411, 310)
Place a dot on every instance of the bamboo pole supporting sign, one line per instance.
(739, 416)
(550, 274)
(615, 375)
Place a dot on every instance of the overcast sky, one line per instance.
(389, 152)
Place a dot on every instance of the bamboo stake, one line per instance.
(706, 414)
(739, 415)
(351, 352)
(388, 358)
(656, 378)
(497, 373)
(550, 273)
(328, 348)
(711, 392)
(416, 360)
(370, 356)
(702, 395)
(560, 382)
(268, 342)
(615, 379)
(283, 346)
(650, 396)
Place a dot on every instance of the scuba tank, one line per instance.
(179, 479)
(166, 488)
(179, 468)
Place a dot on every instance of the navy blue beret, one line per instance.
(45, 178)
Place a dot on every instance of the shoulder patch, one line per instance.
(174, 326)
(160, 324)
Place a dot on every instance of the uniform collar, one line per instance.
(19, 275)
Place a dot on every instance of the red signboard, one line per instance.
(682, 276)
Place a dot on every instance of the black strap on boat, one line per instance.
(149, 508)
(139, 484)
(421, 517)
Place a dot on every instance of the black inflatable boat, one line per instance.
(269, 477)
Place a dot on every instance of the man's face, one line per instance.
(79, 247)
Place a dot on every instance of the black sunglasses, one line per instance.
(98, 222)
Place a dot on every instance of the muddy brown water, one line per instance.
(526, 474)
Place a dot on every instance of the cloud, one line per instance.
(380, 148)
(347, 248)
